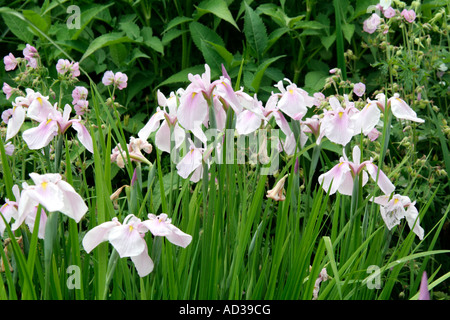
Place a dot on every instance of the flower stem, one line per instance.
(110, 271)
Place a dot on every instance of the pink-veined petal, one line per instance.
(333, 179)
(412, 217)
(74, 205)
(368, 118)
(190, 162)
(152, 125)
(401, 110)
(383, 181)
(247, 122)
(157, 224)
(30, 221)
(337, 127)
(98, 234)
(193, 110)
(40, 136)
(126, 240)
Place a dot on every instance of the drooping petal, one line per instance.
(83, 135)
(178, 237)
(26, 206)
(40, 136)
(126, 240)
(390, 218)
(98, 234)
(368, 118)
(162, 137)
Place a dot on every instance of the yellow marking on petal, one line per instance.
(130, 228)
(39, 99)
(291, 91)
(48, 121)
(194, 94)
(395, 201)
(44, 185)
(223, 82)
(340, 164)
(340, 114)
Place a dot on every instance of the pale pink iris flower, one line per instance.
(57, 123)
(340, 124)
(341, 176)
(272, 109)
(313, 125)
(394, 209)
(128, 238)
(368, 117)
(54, 194)
(119, 79)
(10, 210)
